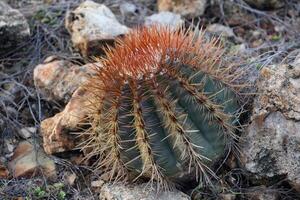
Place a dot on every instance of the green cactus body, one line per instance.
(158, 111)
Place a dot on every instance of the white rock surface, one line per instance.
(165, 19)
(128, 8)
(91, 25)
(27, 132)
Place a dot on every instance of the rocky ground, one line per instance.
(45, 56)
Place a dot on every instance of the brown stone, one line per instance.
(70, 178)
(29, 160)
(57, 79)
(56, 130)
(186, 8)
(4, 173)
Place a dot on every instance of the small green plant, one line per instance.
(61, 195)
(275, 38)
(49, 17)
(165, 107)
(55, 190)
(39, 193)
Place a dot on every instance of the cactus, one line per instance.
(165, 104)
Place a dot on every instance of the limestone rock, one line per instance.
(29, 159)
(13, 27)
(165, 19)
(133, 192)
(56, 130)
(186, 8)
(91, 25)
(271, 143)
(265, 4)
(57, 79)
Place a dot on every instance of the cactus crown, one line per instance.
(165, 105)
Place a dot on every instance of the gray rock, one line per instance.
(9, 91)
(271, 143)
(219, 29)
(92, 24)
(296, 61)
(128, 8)
(13, 27)
(134, 192)
(9, 147)
(27, 132)
(262, 193)
(228, 196)
(165, 19)
(265, 4)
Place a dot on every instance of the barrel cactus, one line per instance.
(164, 105)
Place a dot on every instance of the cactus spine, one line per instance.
(164, 103)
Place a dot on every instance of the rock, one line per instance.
(166, 19)
(219, 29)
(97, 184)
(29, 160)
(133, 192)
(271, 143)
(10, 90)
(238, 49)
(128, 8)
(262, 193)
(186, 8)
(265, 4)
(296, 61)
(27, 132)
(58, 79)
(91, 25)
(56, 131)
(13, 27)
(228, 196)
(70, 178)
(9, 147)
(4, 173)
